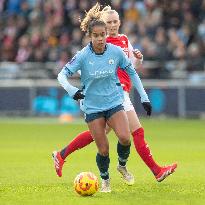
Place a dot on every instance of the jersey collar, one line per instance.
(91, 48)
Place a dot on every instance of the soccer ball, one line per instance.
(86, 184)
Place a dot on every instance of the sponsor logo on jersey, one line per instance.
(101, 73)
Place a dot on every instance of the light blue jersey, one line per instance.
(99, 79)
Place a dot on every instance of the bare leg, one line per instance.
(108, 129)
(134, 122)
(97, 129)
(119, 123)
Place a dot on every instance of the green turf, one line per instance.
(27, 175)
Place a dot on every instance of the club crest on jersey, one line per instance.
(111, 61)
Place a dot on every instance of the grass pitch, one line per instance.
(27, 175)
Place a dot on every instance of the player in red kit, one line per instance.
(111, 18)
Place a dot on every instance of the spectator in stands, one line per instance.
(24, 49)
(160, 29)
(195, 61)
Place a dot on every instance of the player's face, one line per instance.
(113, 23)
(98, 38)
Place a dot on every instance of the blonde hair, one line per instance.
(107, 10)
(91, 19)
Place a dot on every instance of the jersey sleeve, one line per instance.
(125, 64)
(131, 55)
(73, 65)
(124, 61)
(68, 70)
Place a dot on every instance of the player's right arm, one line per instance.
(68, 70)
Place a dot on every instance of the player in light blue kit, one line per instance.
(102, 93)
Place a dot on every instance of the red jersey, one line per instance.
(124, 78)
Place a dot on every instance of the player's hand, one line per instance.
(78, 95)
(138, 54)
(148, 107)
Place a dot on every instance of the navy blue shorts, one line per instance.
(105, 114)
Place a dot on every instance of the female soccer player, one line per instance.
(102, 93)
(111, 18)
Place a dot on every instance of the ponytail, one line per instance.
(92, 18)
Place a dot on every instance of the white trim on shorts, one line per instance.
(127, 104)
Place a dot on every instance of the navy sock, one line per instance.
(103, 165)
(123, 153)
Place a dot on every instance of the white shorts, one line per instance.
(127, 104)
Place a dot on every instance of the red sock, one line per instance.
(80, 141)
(143, 150)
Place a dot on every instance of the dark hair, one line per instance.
(91, 19)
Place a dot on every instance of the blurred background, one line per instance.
(38, 37)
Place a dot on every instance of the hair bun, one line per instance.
(106, 8)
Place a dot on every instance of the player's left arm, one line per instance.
(125, 63)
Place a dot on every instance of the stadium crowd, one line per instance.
(48, 30)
